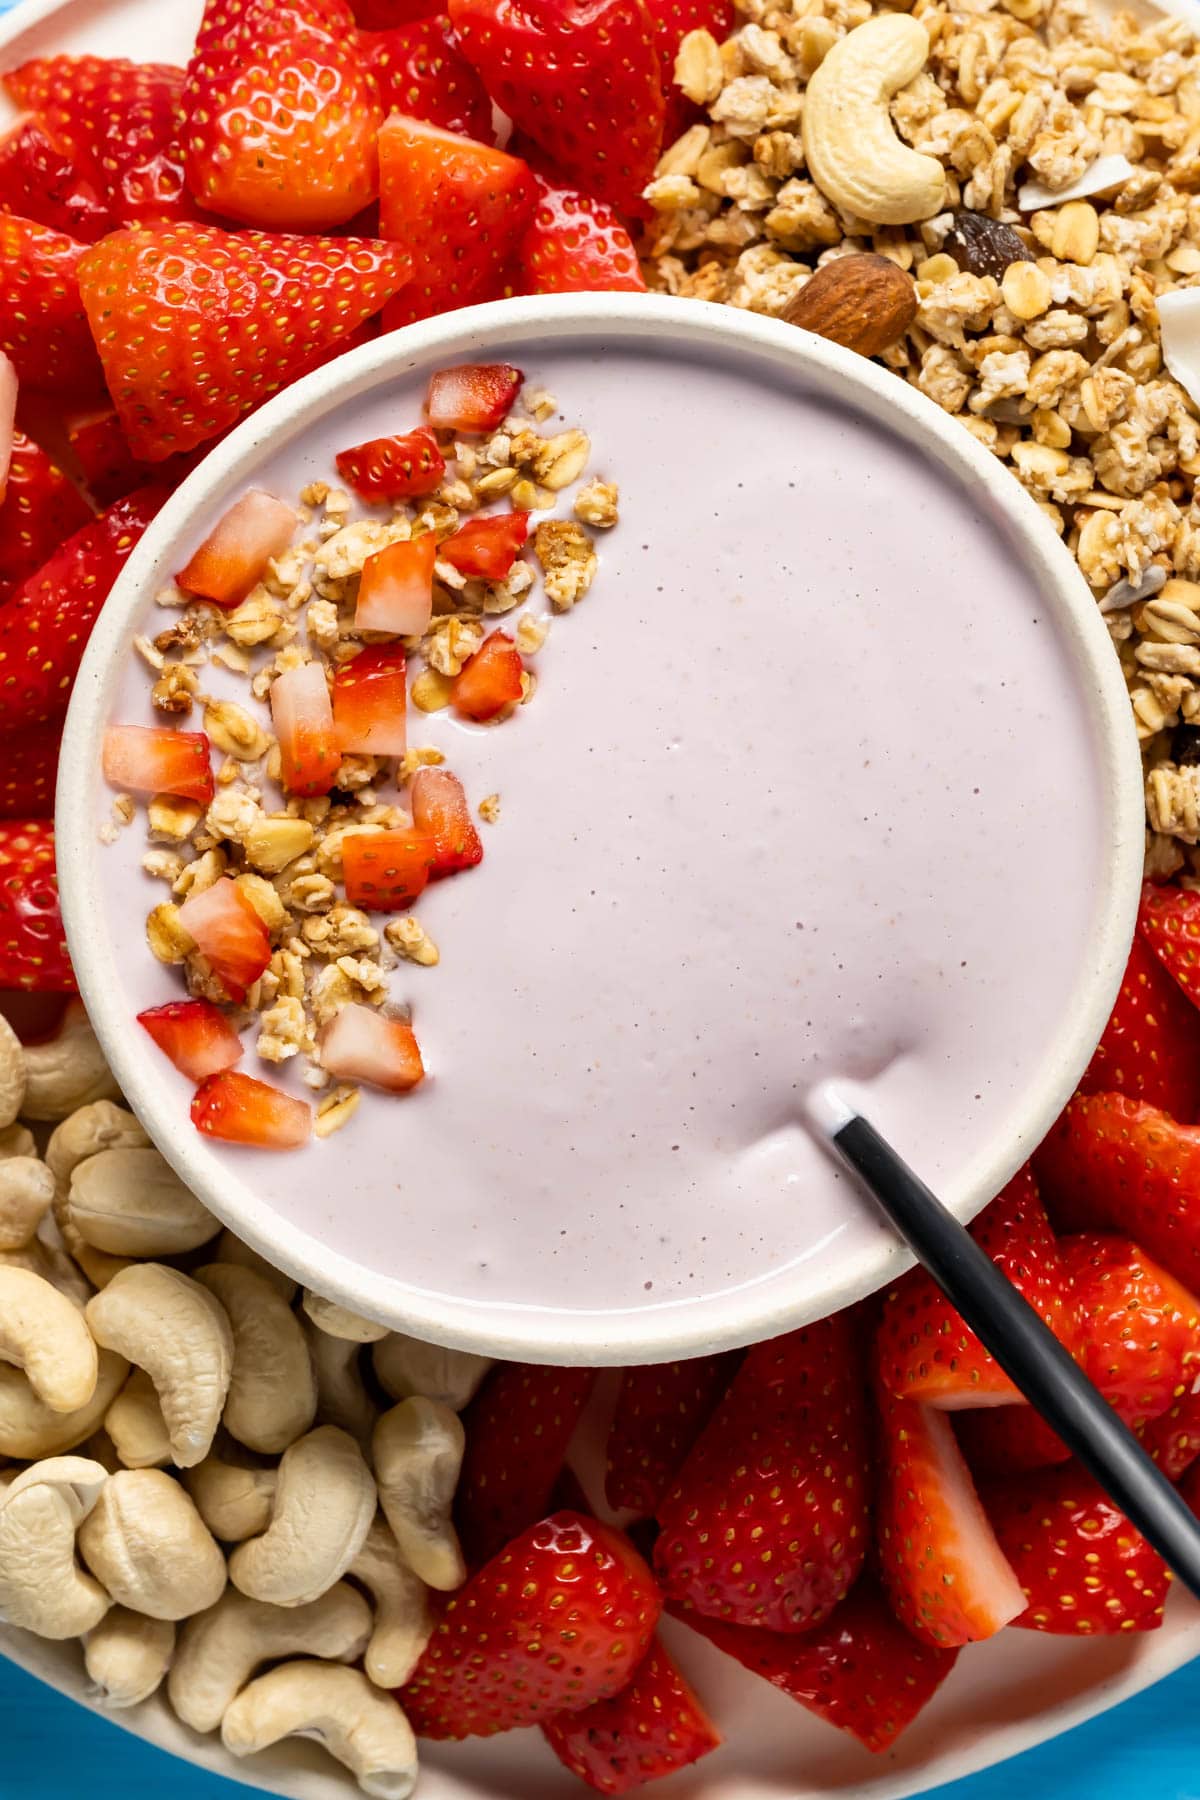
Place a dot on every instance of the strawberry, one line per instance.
(8, 420)
(237, 550)
(556, 1621)
(1173, 1439)
(926, 1352)
(360, 1044)
(653, 1727)
(489, 681)
(1082, 1567)
(1169, 920)
(518, 1428)
(439, 808)
(370, 697)
(386, 15)
(154, 759)
(859, 1670)
(946, 1575)
(28, 772)
(385, 871)
(196, 327)
(422, 72)
(105, 461)
(472, 396)
(43, 327)
(195, 1035)
(767, 1522)
(1139, 1329)
(1007, 1440)
(456, 205)
(573, 244)
(1112, 1164)
(240, 1110)
(40, 509)
(488, 547)
(40, 179)
(661, 1410)
(395, 590)
(229, 934)
(581, 78)
(45, 625)
(394, 468)
(1151, 1045)
(302, 714)
(672, 20)
(33, 949)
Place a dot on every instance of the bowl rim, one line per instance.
(676, 1328)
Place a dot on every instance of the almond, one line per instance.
(864, 302)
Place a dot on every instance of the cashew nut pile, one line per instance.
(228, 1491)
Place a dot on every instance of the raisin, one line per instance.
(984, 246)
(1185, 746)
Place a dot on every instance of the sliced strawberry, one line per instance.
(33, 948)
(661, 1410)
(1083, 1568)
(518, 1428)
(1169, 920)
(395, 591)
(385, 871)
(489, 681)
(440, 809)
(229, 934)
(40, 179)
(40, 509)
(45, 625)
(1151, 1045)
(195, 1035)
(947, 1577)
(422, 73)
(767, 1522)
(1140, 1329)
(370, 697)
(576, 245)
(472, 396)
(1112, 1164)
(240, 1110)
(360, 1044)
(560, 1619)
(394, 468)
(653, 1727)
(859, 1670)
(153, 759)
(28, 772)
(1007, 1440)
(486, 547)
(672, 20)
(302, 715)
(456, 205)
(172, 311)
(43, 327)
(237, 550)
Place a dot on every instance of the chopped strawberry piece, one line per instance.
(28, 772)
(1151, 1045)
(650, 1729)
(661, 1410)
(394, 468)
(575, 245)
(518, 1428)
(360, 1044)
(385, 871)
(568, 1580)
(43, 327)
(439, 808)
(33, 947)
(234, 554)
(1140, 1329)
(152, 759)
(229, 934)
(672, 20)
(1169, 920)
(395, 591)
(422, 73)
(370, 697)
(487, 547)
(240, 1110)
(195, 1035)
(490, 680)
(8, 421)
(41, 180)
(303, 719)
(1007, 1440)
(472, 396)
(40, 509)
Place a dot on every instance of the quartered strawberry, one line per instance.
(229, 934)
(422, 73)
(361, 1044)
(385, 871)
(653, 1727)
(237, 550)
(45, 625)
(581, 78)
(40, 179)
(240, 1110)
(766, 1524)
(395, 590)
(472, 396)
(33, 948)
(1151, 1045)
(302, 714)
(43, 327)
(1139, 1327)
(558, 1620)
(946, 1575)
(486, 547)
(370, 698)
(573, 245)
(41, 508)
(1112, 1164)
(457, 206)
(859, 1669)
(440, 809)
(672, 20)
(1007, 1440)
(173, 311)
(1083, 1569)
(518, 1428)
(1173, 1439)
(924, 1349)
(28, 772)
(489, 681)
(195, 1035)
(1169, 920)
(154, 759)
(661, 1410)
(394, 468)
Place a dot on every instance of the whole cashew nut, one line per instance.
(29, 1428)
(127, 1657)
(175, 1330)
(418, 1451)
(44, 1333)
(324, 1504)
(86, 1132)
(136, 1425)
(272, 1397)
(131, 1203)
(231, 1249)
(220, 1650)
(337, 1321)
(42, 1587)
(403, 1620)
(12, 1073)
(405, 1366)
(148, 1545)
(233, 1495)
(851, 148)
(342, 1397)
(361, 1727)
(67, 1071)
(26, 1190)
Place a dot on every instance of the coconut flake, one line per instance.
(1126, 593)
(1106, 172)
(1179, 326)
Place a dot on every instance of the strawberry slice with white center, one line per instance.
(386, 871)
(153, 759)
(370, 697)
(360, 1044)
(488, 547)
(395, 592)
(472, 396)
(229, 935)
(234, 554)
(240, 1110)
(303, 720)
(439, 807)
(393, 468)
(195, 1035)
(489, 681)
